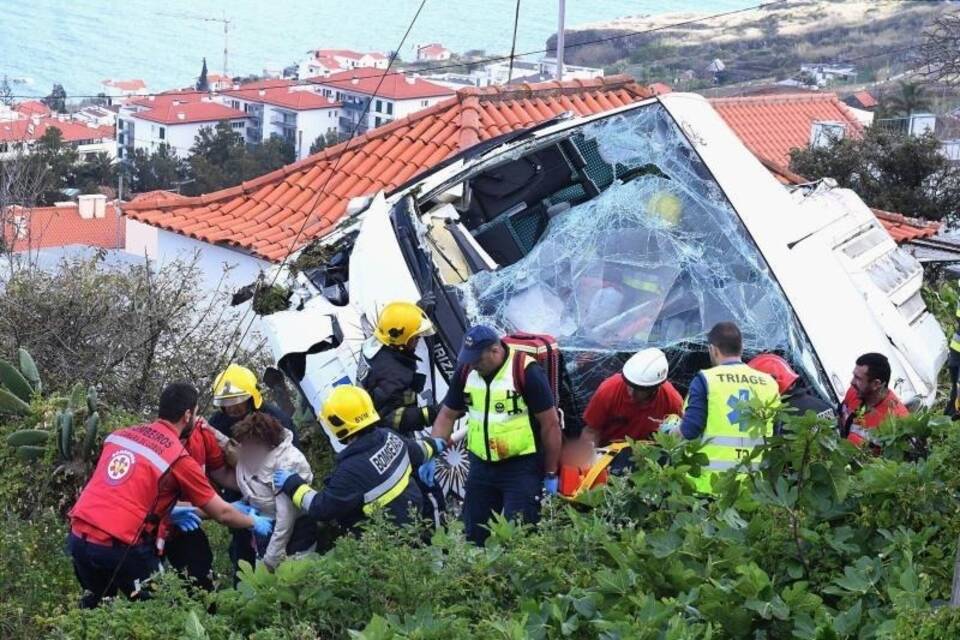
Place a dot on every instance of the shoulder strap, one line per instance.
(521, 360)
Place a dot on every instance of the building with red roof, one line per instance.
(325, 62)
(862, 100)
(173, 118)
(284, 109)
(433, 52)
(261, 220)
(92, 222)
(371, 97)
(772, 125)
(20, 135)
(119, 91)
(32, 108)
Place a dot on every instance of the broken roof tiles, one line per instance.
(265, 215)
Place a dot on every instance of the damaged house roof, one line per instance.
(265, 215)
(771, 125)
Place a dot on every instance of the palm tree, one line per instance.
(910, 98)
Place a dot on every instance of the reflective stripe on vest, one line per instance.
(120, 498)
(390, 489)
(498, 422)
(728, 440)
(136, 447)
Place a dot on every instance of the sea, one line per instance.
(78, 43)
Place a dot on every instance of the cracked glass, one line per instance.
(655, 259)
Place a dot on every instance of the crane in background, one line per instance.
(225, 21)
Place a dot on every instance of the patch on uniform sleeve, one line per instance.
(385, 455)
(119, 466)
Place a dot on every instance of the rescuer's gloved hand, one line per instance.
(440, 445)
(262, 526)
(185, 518)
(671, 425)
(428, 472)
(280, 477)
(551, 483)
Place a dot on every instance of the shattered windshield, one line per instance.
(655, 259)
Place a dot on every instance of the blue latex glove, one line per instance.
(185, 518)
(441, 445)
(244, 508)
(428, 472)
(550, 485)
(280, 478)
(262, 526)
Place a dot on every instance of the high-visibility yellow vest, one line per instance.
(498, 423)
(955, 340)
(726, 430)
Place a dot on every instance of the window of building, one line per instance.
(3, 147)
(376, 121)
(238, 124)
(424, 103)
(389, 108)
(163, 133)
(236, 104)
(379, 106)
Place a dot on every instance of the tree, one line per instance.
(6, 93)
(910, 98)
(93, 173)
(889, 170)
(323, 141)
(59, 162)
(219, 159)
(202, 84)
(940, 50)
(57, 100)
(161, 169)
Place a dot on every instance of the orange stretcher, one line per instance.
(577, 476)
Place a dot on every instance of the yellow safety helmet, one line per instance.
(348, 410)
(400, 322)
(235, 385)
(666, 206)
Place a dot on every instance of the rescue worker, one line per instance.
(388, 370)
(795, 395)
(713, 406)
(632, 403)
(188, 550)
(236, 395)
(869, 401)
(141, 472)
(513, 431)
(373, 471)
(388, 367)
(953, 366)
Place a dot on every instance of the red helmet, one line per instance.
(777, 368)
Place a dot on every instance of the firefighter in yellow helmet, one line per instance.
(390, 369)
(375, 471)
(236, 395)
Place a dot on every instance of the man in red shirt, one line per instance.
(141, 474)
(189, 552)
(869, 401)
(632, 403)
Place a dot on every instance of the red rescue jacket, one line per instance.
(121, 497)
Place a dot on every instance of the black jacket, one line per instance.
(390, 376)
(371, 460)
(803, 400)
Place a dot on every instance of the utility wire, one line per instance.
(320, 192)
(503, 58)
(513, 45)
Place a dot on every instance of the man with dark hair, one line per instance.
(713, 406)
(141, 474)
(513, 431)
(869, 401)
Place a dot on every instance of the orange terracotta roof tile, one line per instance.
(281, 211)
(29, 229)
(771, 125)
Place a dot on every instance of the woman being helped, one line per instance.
(266, 446)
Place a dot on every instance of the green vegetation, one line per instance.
(889, 170)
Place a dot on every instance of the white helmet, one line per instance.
(647, 368)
